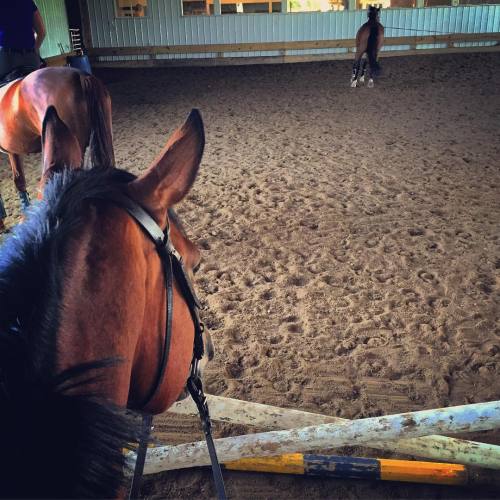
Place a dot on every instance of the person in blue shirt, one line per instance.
(22, 32)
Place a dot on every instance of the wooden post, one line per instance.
(268, 417)
(86, 30)
(352, 5)
(456, 419)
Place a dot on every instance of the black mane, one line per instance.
(54, 443)
(373, 12)
(30, 270)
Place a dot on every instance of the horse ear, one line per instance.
(170, 177)
(59, 146)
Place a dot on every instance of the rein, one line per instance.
(414, 29)
(172, 267)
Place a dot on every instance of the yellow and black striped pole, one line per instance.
(356, 468)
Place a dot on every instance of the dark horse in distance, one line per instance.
(369, 40)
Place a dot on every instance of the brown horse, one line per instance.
(369, 40)
(83, 104)
(84, 317)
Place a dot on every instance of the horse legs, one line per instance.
(363, 70)
(16, 165)
(370, 76)
(3, 214)
(372, 70)
(355, 71)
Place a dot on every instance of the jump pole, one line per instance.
(456, 419)
(274, 418)
(377, 469)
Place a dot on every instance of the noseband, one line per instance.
(173, 267)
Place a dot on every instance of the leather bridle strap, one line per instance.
(162, 243)
(172, 265)
(195, 388)
(147, 421)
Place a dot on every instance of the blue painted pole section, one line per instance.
(341, 467)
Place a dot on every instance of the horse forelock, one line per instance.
(25, 287)
(31, 257)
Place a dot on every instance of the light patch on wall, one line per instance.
(197, 8)
(131, 8)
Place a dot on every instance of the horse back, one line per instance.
(83, 104)
(371, 32)
(59, 87)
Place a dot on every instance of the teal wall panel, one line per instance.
(56, 22)
(165, 25)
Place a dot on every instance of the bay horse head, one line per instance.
(84, 317)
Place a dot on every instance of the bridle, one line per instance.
(173, 267)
